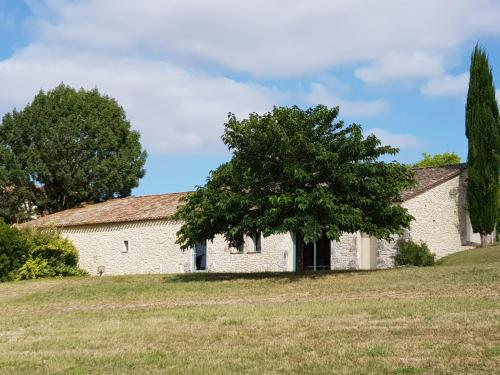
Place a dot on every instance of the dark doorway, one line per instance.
(311, 259)
(200, 256)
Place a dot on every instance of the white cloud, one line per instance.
(396, 39)
(415, 65)
(174, 109)
(158, 58)
(447, 85)
(321, 95)
(402, 141)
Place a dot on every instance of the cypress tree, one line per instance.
(482, 131)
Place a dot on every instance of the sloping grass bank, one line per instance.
(437, 320)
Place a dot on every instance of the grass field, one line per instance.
(438, 320)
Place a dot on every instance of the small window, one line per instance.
(250, 244)
(240, 248)
(257, 240)
(125, 246)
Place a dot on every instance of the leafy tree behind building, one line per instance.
(65, 148)
(437, 160)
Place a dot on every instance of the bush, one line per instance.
(48, 244)
(59, 253)
(410, 253)
(33, 269)
(33, 254)
(14, 251)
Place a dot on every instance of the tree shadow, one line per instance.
(287, 276)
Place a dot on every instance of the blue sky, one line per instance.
(398, 68)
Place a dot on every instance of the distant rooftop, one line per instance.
(118, 210)
(428, 177)
(163, 206)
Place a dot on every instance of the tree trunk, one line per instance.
(484, 239)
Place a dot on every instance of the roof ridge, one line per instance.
(88, 204)
(126, 209)
(145, 196)
(461, 165)
(427, 179)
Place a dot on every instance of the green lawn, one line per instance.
(442, 319)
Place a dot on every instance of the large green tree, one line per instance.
(482, 131)
(16, 196)
(437, 160)
(64, 148)
(300, 171)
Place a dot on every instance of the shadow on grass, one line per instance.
(288, 276)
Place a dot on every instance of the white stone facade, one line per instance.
(275, 256)
(441, 218)
(345, 252)
(149, 246)
(441, 221)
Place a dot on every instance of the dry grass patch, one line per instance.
(438, 320)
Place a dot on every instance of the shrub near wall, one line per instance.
(50, 255)
(14, 251)
(33, 254)
(410, 253)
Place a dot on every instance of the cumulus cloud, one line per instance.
(415, 65)
(319, 94)
(402, 141)
(276, 38)
(169, 62)
(174, 109)
(448, 85)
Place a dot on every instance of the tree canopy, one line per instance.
(482, 130)
(438, 160)
(300, 171)
(64, 148)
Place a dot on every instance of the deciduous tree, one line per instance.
(446, 158)
(64, 148)
(300, 171)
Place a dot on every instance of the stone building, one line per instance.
(136, 235)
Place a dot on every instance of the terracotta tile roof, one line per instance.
(149, 207)
(429, 177)
(163, 206)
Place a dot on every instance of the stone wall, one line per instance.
(152, 249)
(345, 252)
(441, 222)
(275, 256)
(386, 250)
(441, 217)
